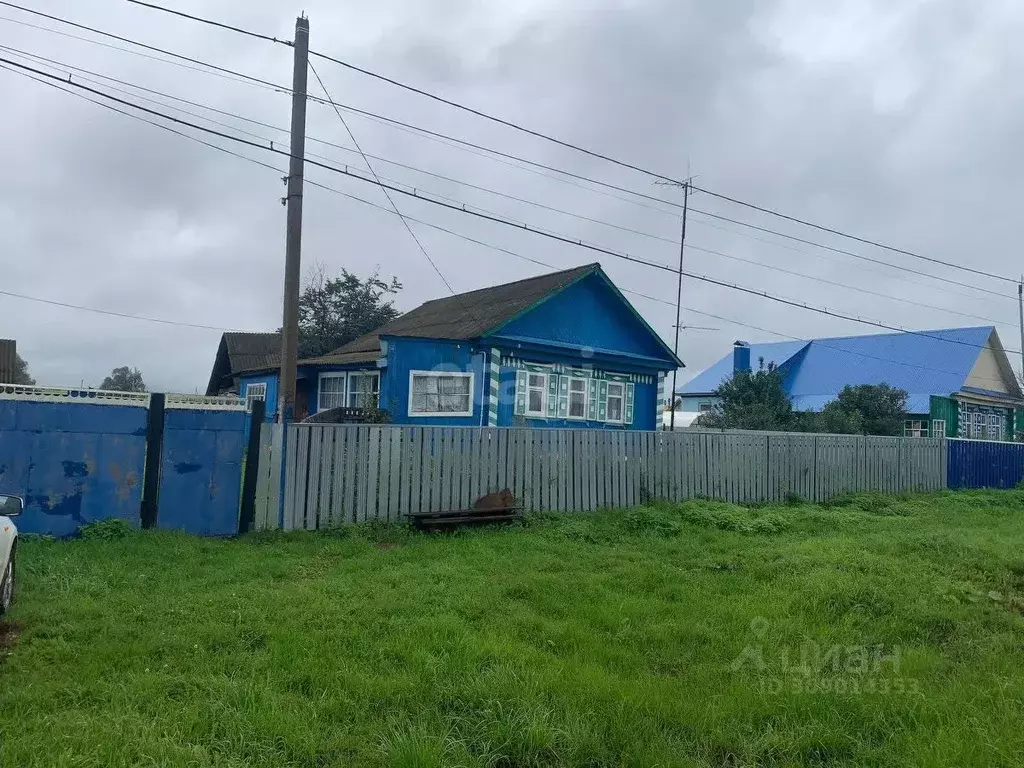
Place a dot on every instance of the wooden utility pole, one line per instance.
(679, 302)
(1020, 309)
(293, 236)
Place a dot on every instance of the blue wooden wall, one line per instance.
(405, 355)
(645, 414)
(983, 464)
(201, 471)
(588, 314)
(270, 379)
(73, 463)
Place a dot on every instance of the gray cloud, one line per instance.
(894, 120)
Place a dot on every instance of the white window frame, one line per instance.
(706, 407)
(622, 399)
(257, 390)
(586, 397)
(543, 412)
(358, 374)
(343, 375)
(996, 422)
(439, 374)
(938, 428)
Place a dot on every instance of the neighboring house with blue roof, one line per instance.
(559, 350)
(959, 381)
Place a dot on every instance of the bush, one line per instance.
(111, 528)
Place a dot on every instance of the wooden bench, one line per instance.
(441, 521)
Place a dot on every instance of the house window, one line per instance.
(706, 407)
(537, 392)
(254, 392)
(440, 394)
(915, 429)
(976, 419)
(363, 389)
(938, 428)
(615, 401)
(577, 398)
(995, 426)
(331, 393)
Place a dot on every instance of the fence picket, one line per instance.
(336, 474)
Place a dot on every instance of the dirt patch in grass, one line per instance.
(9, 631)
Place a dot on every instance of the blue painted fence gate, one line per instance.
(78, 456)
(201, 470)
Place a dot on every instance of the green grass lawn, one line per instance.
(877, 631)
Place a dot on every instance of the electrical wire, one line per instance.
(459, 235)
(387, 194)
(579, 243)
(504, 122)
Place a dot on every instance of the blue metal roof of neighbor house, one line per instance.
(924, 364)
(709, 380)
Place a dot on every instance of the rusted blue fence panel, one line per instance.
(984, 464)
(73, 462)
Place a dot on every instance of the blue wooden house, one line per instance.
(959, 381)
(560, 350)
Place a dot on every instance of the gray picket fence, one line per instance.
(336, 474)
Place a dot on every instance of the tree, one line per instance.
(124, 379)
(334, 311)
(21, 375)
(866, 409)
(751, 400)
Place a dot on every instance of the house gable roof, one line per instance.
(936, 362)
(475, 314)
(241, 352)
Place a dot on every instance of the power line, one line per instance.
(505, 222)
(386, 193)
(455, 234)
(864, 240)
(501, 121)
(231, 27)
(515, 198)
(130, 41)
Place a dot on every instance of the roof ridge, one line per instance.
(592, 265)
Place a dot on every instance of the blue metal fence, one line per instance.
(74, 462)
(983, 464)
(201, 471)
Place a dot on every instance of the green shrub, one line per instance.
(111, 528)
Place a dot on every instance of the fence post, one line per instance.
(252, 463)
(154, 454)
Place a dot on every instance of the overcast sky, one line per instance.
(897, 120)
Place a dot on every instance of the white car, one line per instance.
(10, 506)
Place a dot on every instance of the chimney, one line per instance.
(740, 356)
(8, 355)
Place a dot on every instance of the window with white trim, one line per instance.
(704, 407)
(995, 426)
(363, 389)
(254, 392)
(440, 394)
(616, 401)
(938, 427)
(577, 398)
(537, 394)
(331, 392)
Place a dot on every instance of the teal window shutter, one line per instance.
(629, 403)
(592, 400)
(602, 400)
(552, 396)
(563, 397)
(522, 380)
